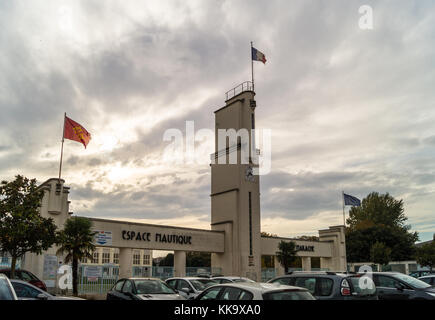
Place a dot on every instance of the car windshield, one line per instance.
(288, 295)
(5, 290)
(202, 284)
(152, 287)
(27, 276)
(413, 282)
(363, 285)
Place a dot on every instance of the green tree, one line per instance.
(167, 261)
(380, 218)
(286, 254)
(22, 228)
(308, 238)
(76, 240)
(425, 255)
(265, 234)
(380, 253)
(198, 259)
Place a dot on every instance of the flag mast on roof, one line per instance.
(349, 200)
(256, 55)
(72, 131)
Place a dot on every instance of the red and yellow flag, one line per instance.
(75, 131)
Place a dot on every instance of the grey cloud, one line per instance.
(321, 69)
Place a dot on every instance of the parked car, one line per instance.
(420, 273)
(428, 279)
(190, 287)
(399, 286)
(230, 279)
(27, 291)
(25, 276)
(7, 292)
(331, 285)
(142, 289)
(254, 291)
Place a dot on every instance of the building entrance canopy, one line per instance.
(122, 234)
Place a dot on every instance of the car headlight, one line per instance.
(431, 294)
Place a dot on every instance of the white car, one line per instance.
(190, 287)
(7, 292)
(254, 291)
(142, 289)
(230, 279)
(429, 279)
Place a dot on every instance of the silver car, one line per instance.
(230, 279)
(27, 291)
(7, 292)
(190, 287)
(142, 289)
(254, 291)
(429, 279)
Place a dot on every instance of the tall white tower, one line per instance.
(235, 191)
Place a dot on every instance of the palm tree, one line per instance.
(76, 240)
(286, 254)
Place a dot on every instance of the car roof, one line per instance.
(260, 286)
(316, 273)
(229, 277)
(428, 276)
(141, 278)
(189, 278)
(391, 273)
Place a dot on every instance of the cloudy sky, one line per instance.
(349, 109)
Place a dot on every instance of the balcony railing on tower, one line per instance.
(244, 86)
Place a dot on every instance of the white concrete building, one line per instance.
(234, 238)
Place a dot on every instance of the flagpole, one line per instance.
(344, 215)
(61, 150)
(252, 69)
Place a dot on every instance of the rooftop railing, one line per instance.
(244, 86)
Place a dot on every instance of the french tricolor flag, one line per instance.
(257, 55)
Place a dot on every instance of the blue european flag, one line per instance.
(351, 200)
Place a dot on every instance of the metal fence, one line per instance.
(97, 279)
(203, 271)
(244, 86)
(162, 272)
(267, 274)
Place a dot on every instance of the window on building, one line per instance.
(146, 259)
(106, 256)
(116, 258)
(4, 257)
(95, 257)
(136, 257)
